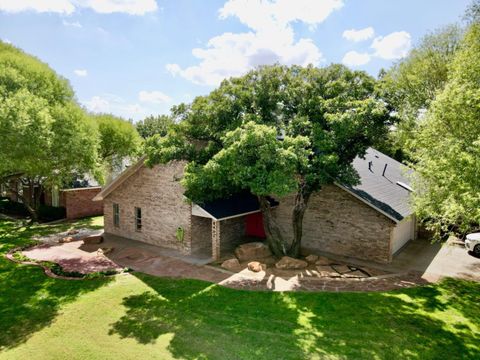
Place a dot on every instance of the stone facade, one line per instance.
(338, 223)
(78, 203)
(159, 194)
(201, 235)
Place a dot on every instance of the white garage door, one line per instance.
(403, 232)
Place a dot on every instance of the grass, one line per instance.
(139, 316)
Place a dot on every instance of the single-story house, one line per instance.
(370, 221)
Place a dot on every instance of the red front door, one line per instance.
(254, 225)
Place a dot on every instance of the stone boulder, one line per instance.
(288, 263)
(66, 239)
(252, 251)
(322, 261)
(93, 239)
(104, 251)
(256, 266)
(231, 264)
(311, 258)
(73, 232)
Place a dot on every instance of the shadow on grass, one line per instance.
(209, 321)
(29, 300)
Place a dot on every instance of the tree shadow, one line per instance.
(210, 321)
(30, 300)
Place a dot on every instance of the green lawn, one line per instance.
(137, 316)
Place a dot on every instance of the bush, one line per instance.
(10, 207)
(51, 213)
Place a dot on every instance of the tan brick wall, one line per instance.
(159, 194)
(201, 235)
(338, 223)
(232, 234)
(78, 203)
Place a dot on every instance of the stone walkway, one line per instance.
(75, 256)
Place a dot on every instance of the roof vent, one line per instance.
(370, 163)
(405, 186)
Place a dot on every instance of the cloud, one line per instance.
(271, 39)
(72, 24)
(155, 97)
(81, 72)
(6, 41)
(132, 7)
(354, 58)
(359, 35)
(113, 104)
(393, 46)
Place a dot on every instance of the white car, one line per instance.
(472, 243)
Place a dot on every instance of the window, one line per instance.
(116, 215)
(138, 219)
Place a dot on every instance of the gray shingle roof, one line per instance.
(383, 191)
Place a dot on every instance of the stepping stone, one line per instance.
(326, 271)
(342, 269)
(355, 274)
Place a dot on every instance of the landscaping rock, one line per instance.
(93, 239)
(104, 251)
(66, 239)
(251, 251)
(322, 261)
(72, 232)
(327, 271)
(231, 264)
(288, 263)
(311, 258)
(355, 274)
(255, 266)
(342, 269)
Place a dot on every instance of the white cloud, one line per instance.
(113, 104)
(354, 58)
(270, 40)
(393, 46)
(81, 72)
(155, 97)
(72, 24)
(359, 35)
(132, 7)
(6, 41)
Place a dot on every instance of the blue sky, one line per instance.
(139, 57)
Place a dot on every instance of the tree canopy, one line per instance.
(447, 148)
(412, 84)
(46, 136)
(276, 130)
(154, 125)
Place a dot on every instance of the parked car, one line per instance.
(472, 243)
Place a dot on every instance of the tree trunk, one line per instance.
(301, 202)
(275, 240)
(28, 203)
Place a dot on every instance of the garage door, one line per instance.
(403, 232)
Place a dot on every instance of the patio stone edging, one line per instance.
(46, 269)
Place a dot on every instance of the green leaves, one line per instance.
(447, 147)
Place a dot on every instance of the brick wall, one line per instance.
(158, 193)
(78, 203)
(201, 235)
(338, 223)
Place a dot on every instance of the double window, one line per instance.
(138, 219)
(116, 215)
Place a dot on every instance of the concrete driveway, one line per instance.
(434, 260)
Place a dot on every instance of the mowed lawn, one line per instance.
(137, 316)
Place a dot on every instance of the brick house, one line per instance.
(371, 221)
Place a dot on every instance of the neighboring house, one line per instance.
(77, 200)
(371, 221)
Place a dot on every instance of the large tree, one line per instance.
(228, 137)
(447, 148)
(410, 85)
(153, 125)
(45, 135)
